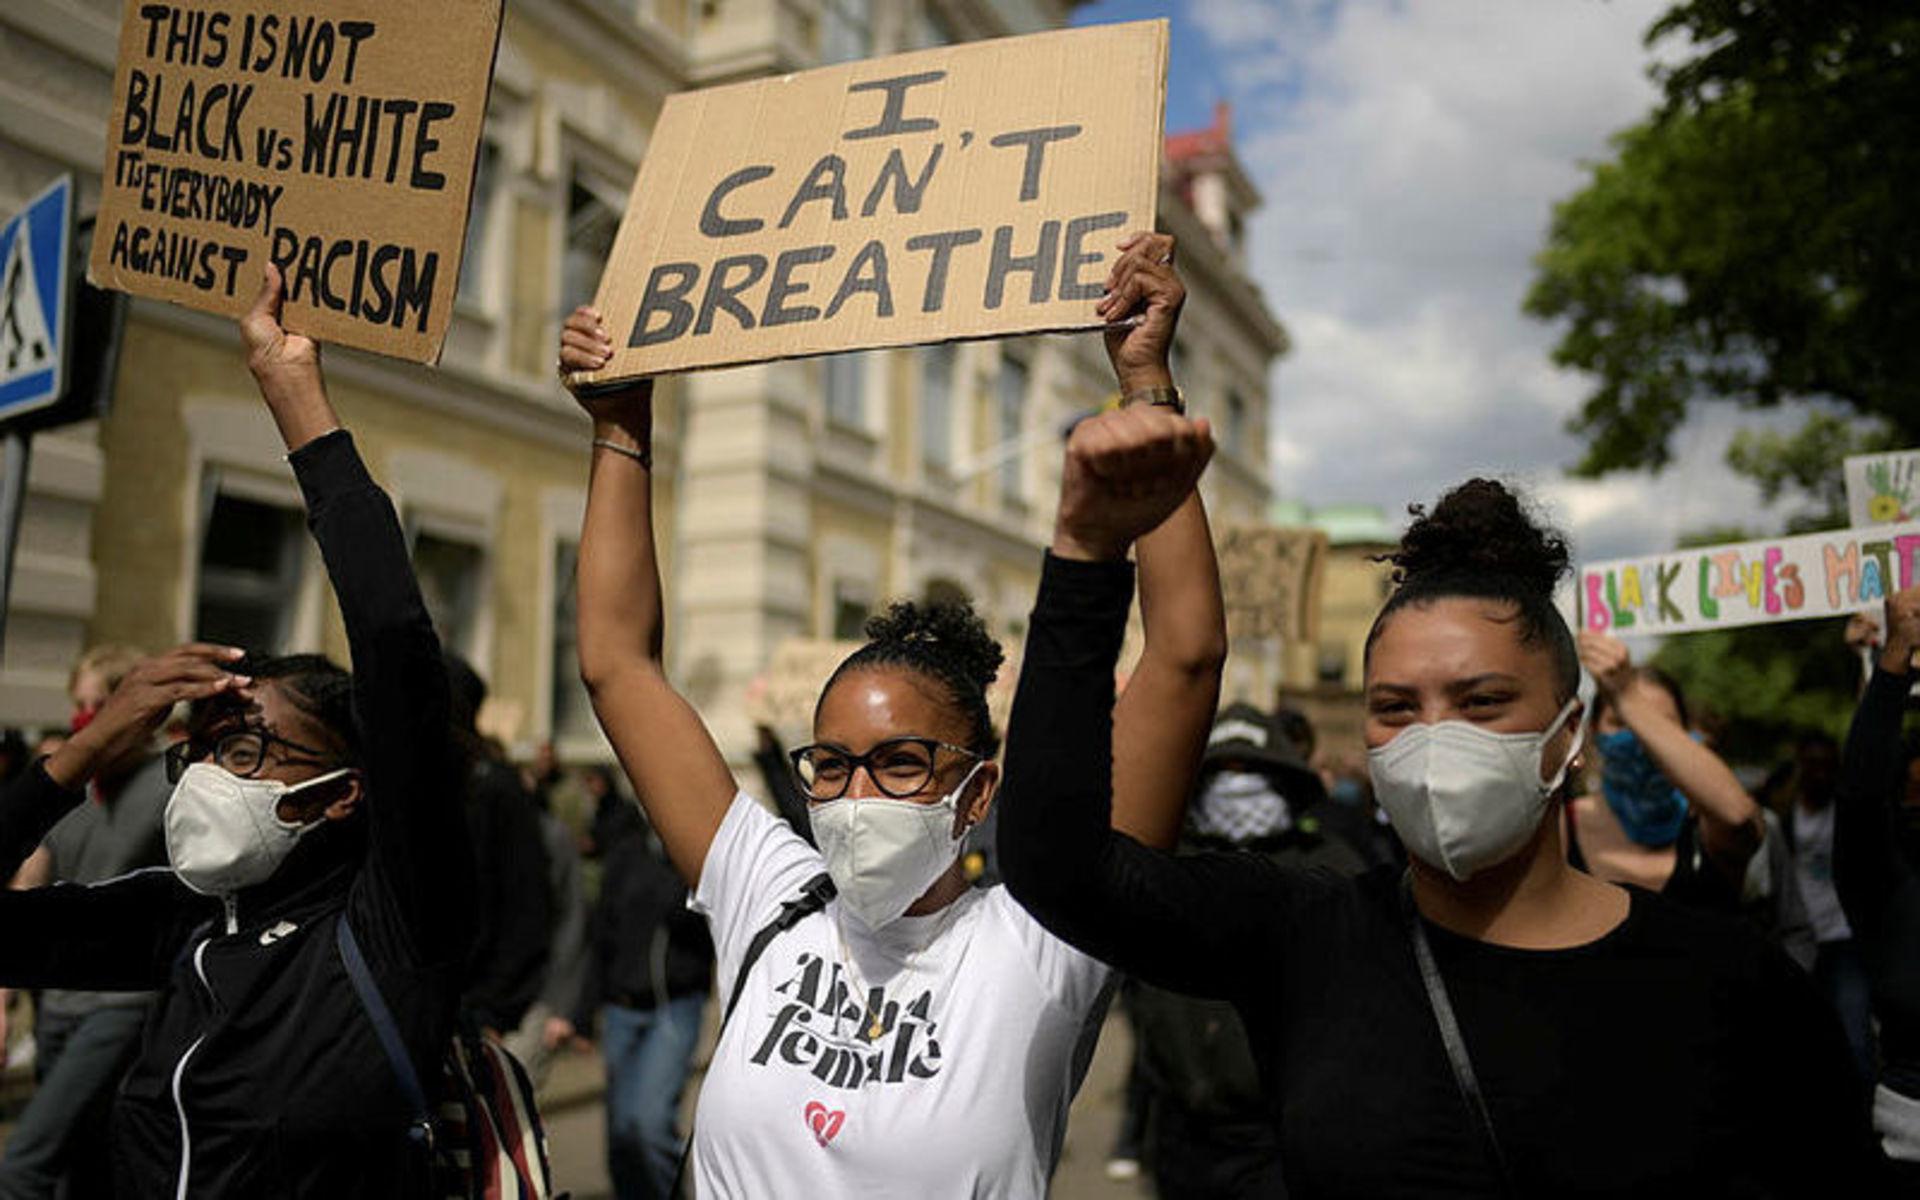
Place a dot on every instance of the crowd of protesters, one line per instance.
(1539, 940)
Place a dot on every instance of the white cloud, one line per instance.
(1410, 152)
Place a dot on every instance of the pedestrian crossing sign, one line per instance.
(34, 294)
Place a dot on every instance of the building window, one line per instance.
(846, 30)
(249, 579)
(473, 257)
(936, 404)
(452, 575)
(572, 714)
(1012, 407)
(1236, 420)
(851, 609)
(846, 390)
(1330, 665)
(593, 217)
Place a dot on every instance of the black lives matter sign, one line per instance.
(336, 140)
(969, 191)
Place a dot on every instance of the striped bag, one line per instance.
(485, 1141)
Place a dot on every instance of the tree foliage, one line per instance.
(1753, 240)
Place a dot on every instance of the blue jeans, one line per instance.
(61, 1133)
(648, 1052)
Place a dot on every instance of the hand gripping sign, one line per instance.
(969, 191)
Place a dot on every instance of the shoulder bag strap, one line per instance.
(1450, 1035)
(420, 1129)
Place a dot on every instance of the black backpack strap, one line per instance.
(812, 898)
(1456, 1043)
(420, 1129)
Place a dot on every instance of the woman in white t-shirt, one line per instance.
(917, 1036)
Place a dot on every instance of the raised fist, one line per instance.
(1126, 472)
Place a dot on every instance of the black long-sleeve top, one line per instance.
(260, 1073)
(644, 946)
(1874, 870)
(1678, 1054)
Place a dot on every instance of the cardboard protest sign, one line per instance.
(338, 141)
(963, 192)
(1883, 489)
(1750, 583)
(1270, 581)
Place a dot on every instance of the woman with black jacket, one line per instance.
(1876, 868)
(305, 799)
(1493, 1022)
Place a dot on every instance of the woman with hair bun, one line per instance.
(1492, 1022)
(893, 1031)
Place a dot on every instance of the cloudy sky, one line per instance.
(1409, 153)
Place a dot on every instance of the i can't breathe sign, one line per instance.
(969, 191)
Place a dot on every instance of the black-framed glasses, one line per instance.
(900, 767)
(242, 752)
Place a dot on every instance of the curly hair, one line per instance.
(1481, 542)
(947, 643)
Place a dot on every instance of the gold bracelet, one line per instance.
(1160, 397)
(643, 456)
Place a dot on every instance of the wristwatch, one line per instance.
(1160, 397)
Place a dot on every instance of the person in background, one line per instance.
(1209, 1137)
(547, 1027)
(14, 758)
(649, 965)
(513, 917)
(776, 774)
(613, 816)
(1669, 815)
(1876, 863)
(1806, 798)
(85, 1040)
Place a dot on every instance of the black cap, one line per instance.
(1245, 734)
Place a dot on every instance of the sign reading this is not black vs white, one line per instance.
(969, 191)
(337, 139)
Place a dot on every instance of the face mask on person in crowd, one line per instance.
(81, 717)
(224, 833)
(1650, 809)
(884, 854)
(1462, 797)
(1241, 806)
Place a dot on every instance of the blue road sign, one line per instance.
(34, 297)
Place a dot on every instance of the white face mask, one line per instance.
(1461, 797)
(224, 833)
(884, 854)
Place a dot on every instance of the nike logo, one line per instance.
(269, 936)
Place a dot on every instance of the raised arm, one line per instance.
(1731, 827)
(676, 769)
(1162, 719)
(1188, 923)
(1870, 869)
(419, 852)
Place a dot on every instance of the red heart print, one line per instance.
(824, 1122)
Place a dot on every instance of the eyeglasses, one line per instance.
(243, 752)
(900, 767)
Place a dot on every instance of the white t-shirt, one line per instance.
(984, 1025)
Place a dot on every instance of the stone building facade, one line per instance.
(794, 497)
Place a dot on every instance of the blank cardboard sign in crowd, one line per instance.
(338, 141)
(969, 191)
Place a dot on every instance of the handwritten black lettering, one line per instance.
(893, 119)
(1036, 142)
(1072, 258)
(1001, 262)
(942, 245)
(712, 224)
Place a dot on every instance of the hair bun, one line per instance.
(1481, 529)
(952, 633)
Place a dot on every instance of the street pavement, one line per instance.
(576, 1132)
